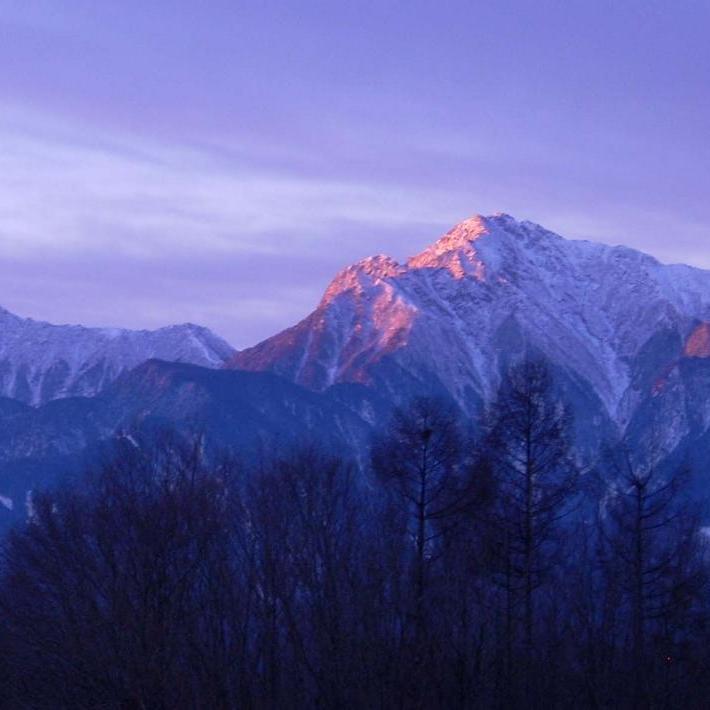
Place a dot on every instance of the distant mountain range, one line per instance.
(628, 340)
(40, 362)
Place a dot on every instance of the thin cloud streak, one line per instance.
(66, 196)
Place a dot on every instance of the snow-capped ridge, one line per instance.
(472, 248)
(461, 237)
(41, 361)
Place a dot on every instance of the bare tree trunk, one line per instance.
(638, 597)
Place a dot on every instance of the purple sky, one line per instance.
(218, 162)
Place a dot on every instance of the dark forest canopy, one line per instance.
(458, 572)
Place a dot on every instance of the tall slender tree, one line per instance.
(529, 451)
(419, 460)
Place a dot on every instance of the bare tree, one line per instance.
(654, 551)
(419, 460)
(528, 449)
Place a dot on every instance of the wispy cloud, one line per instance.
(65, 191)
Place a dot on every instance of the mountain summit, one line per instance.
(463, 250)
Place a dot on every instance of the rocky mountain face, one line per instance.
(624, 333)
(40, 362)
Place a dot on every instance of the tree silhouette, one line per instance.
(529, 452)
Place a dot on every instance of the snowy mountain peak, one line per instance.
(476, 247)
(362, 276)
(461, 237)
(480, 246)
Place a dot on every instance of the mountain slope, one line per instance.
(40, 362)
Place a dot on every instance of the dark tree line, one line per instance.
(461, 572)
